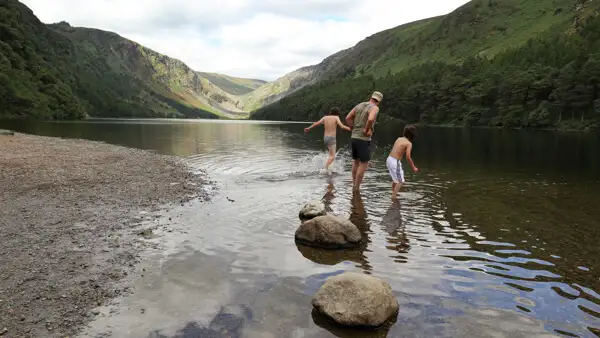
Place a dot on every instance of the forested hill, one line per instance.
(472, 68)
(61, 72)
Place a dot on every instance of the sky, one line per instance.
(262, 39)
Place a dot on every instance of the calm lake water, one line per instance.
(496, 236)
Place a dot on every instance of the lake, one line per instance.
(497, 235)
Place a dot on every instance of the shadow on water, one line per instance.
(334, 257)
(397, 239)
(229, 322)
(338, 331)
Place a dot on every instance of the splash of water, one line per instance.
(338, 166)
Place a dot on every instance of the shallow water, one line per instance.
(496, 236)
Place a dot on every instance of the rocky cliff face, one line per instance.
(156, 70)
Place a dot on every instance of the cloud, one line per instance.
(248, 38)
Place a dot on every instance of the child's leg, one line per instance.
(331, 155)
(395, 188)
(400, 177)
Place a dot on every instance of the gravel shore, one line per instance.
(67, 211)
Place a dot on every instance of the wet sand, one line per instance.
(73, 214)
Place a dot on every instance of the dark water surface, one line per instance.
(498, 235)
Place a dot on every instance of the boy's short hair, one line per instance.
(410, 132)
(334, 111)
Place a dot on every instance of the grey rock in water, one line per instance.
(328, 232)
(6, 132)
(312, 209)
(356, 300)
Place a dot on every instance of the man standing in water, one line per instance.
(361, 119)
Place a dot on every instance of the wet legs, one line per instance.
(395, 188)
(331, 157)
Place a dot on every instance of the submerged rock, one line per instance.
(356, 300)
(328, 232)
(312, 209)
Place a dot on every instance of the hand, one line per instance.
(369, 132)
(306, 130)
(415, 169)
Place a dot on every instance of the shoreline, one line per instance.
(384, 119)
(73, 217)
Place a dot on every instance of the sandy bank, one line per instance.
(69, 214)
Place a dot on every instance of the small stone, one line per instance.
(312, 209)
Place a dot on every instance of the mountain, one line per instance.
(233, 85)
(272, 91)
(61, 72)
(516, 63)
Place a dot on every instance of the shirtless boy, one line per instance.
(331, 122)
(403, 145)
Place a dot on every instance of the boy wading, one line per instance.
(361, 119)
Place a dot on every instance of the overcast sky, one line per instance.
(249, 38)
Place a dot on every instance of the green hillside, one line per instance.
(47, 75)
(481, 27)
(233, 85)
(495, 63)
(61, 72)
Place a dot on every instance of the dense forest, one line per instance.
(550, 81)
(46, 75)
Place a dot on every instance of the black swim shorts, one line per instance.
(361, 150)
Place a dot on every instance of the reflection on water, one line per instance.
(496, 236)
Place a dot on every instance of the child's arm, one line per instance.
(409, 158)
(306, 130)
(339, 122)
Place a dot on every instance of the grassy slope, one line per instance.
(473, 29)
(233, 85)
(480, 27)
(289, 83)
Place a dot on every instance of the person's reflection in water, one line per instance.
(397, 239)
(329, 195)
(334, 257)
(358, 216)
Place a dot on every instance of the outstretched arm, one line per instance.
(350, 118)
(409, 158)
(339, 122)
(371, 120)
(306, 130)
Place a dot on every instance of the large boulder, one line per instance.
(328, 232)
(356, 300)
(312, 209)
